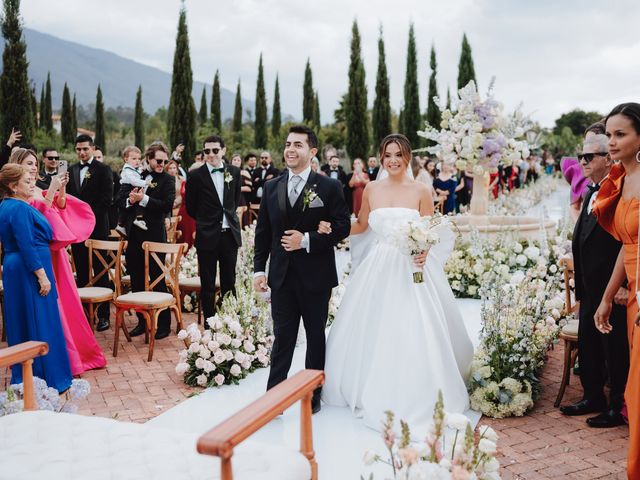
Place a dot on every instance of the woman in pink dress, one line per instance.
(357, 181)
(72, 221)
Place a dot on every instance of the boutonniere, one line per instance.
(309, 196)
(228, 178)
(153, 185)
(87, 175)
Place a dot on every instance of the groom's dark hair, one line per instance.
(312, 140)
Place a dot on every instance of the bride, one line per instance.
(395, 343)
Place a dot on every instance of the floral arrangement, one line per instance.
(237, 339)
(419, 236)
(521, 200)
(463, 457)
(476, 134)
(189, 269)
(518, 329)
(48, 398)
(336, 295)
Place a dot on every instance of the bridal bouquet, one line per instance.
(444, 454)
(418, 236)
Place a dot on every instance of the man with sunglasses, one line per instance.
(50, 159)
(595, 252)
(91, 182)
(212, 197)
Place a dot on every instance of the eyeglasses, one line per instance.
(53, 158)
(587, 157)
(209, 151)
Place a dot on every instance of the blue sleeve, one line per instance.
(23, 223)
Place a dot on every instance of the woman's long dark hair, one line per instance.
(630, 110)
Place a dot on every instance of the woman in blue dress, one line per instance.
(445, 184)
(31, 308)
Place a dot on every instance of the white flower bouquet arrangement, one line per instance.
(517, 331)
(418, 236)
(464, 456)
(48, 398)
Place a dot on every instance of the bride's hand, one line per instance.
(324, 227)
(420, 259)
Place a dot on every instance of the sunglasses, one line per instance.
(162, 162)
(53, 158)
(209, 151)
(587, 157)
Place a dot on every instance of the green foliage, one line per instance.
(202, 115)
(15, 98)
(138, 121)
(565, 143)
(276, 116)
(181, 123)
(41, 110)
(307, 95)
(356, 105)
(316, 114)
(466, 70)
(216, 115)
(334, 134)
(66, 118)
(381, 119)
(577, 120)
(433, 111)
(236, 124)
(34, 106)
(448, 106)
(100, 138)
(412, 121)
(74, 115)
(47, 120)
(260, 139)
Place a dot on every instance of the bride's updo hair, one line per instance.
(403, 144)
(10, 174)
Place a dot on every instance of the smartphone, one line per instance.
(63, 165)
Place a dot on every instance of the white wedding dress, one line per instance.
(395, 343)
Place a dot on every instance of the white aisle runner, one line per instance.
(340, 439)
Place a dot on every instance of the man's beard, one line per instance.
(265, 163)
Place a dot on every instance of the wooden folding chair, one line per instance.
(569, 333)
(172, 233)
(254, 208)
(108, 253)
(241, 211)
(148, 302)
(24, 353)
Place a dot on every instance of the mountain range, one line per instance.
(82, 68)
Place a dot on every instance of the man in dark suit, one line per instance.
(302, 269)
(50, 159)
(156, 202)
(372, 168)
(602, 356)
(91, 182)
(263, 174)
(212, 199)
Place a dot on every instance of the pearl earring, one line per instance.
(638, 156)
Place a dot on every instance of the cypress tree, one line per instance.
(100, 139)
(216, 115)
(41, 110)
(138, 121)
(260, 139)
(66, 118)
(466, 70)
(411, 119)
(73, 115)
(276, 116)
(15, 96)
(448, 98)
(34, 106)
(48, 107)
(433, 111)
(181, 119)
(236, 124)
(316, 113)
(202, 115)
(381, 104)
(307, 95)
(357, 128)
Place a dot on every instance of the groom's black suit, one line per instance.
(300, 281)
(601, 355)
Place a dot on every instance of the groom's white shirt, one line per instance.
(304, 175)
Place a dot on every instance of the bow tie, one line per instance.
(593, 188)
(84, 165)
(220, 169)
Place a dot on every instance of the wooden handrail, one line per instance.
(24, 353)
(221, 440)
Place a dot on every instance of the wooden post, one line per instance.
(226, 473)
(27, 380)
(306, 434)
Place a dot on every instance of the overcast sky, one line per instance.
(551, 55)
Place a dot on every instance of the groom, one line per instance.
(302, 268)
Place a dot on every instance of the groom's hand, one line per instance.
(260, 284)
(292, 240)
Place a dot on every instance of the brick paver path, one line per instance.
(543, 444)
